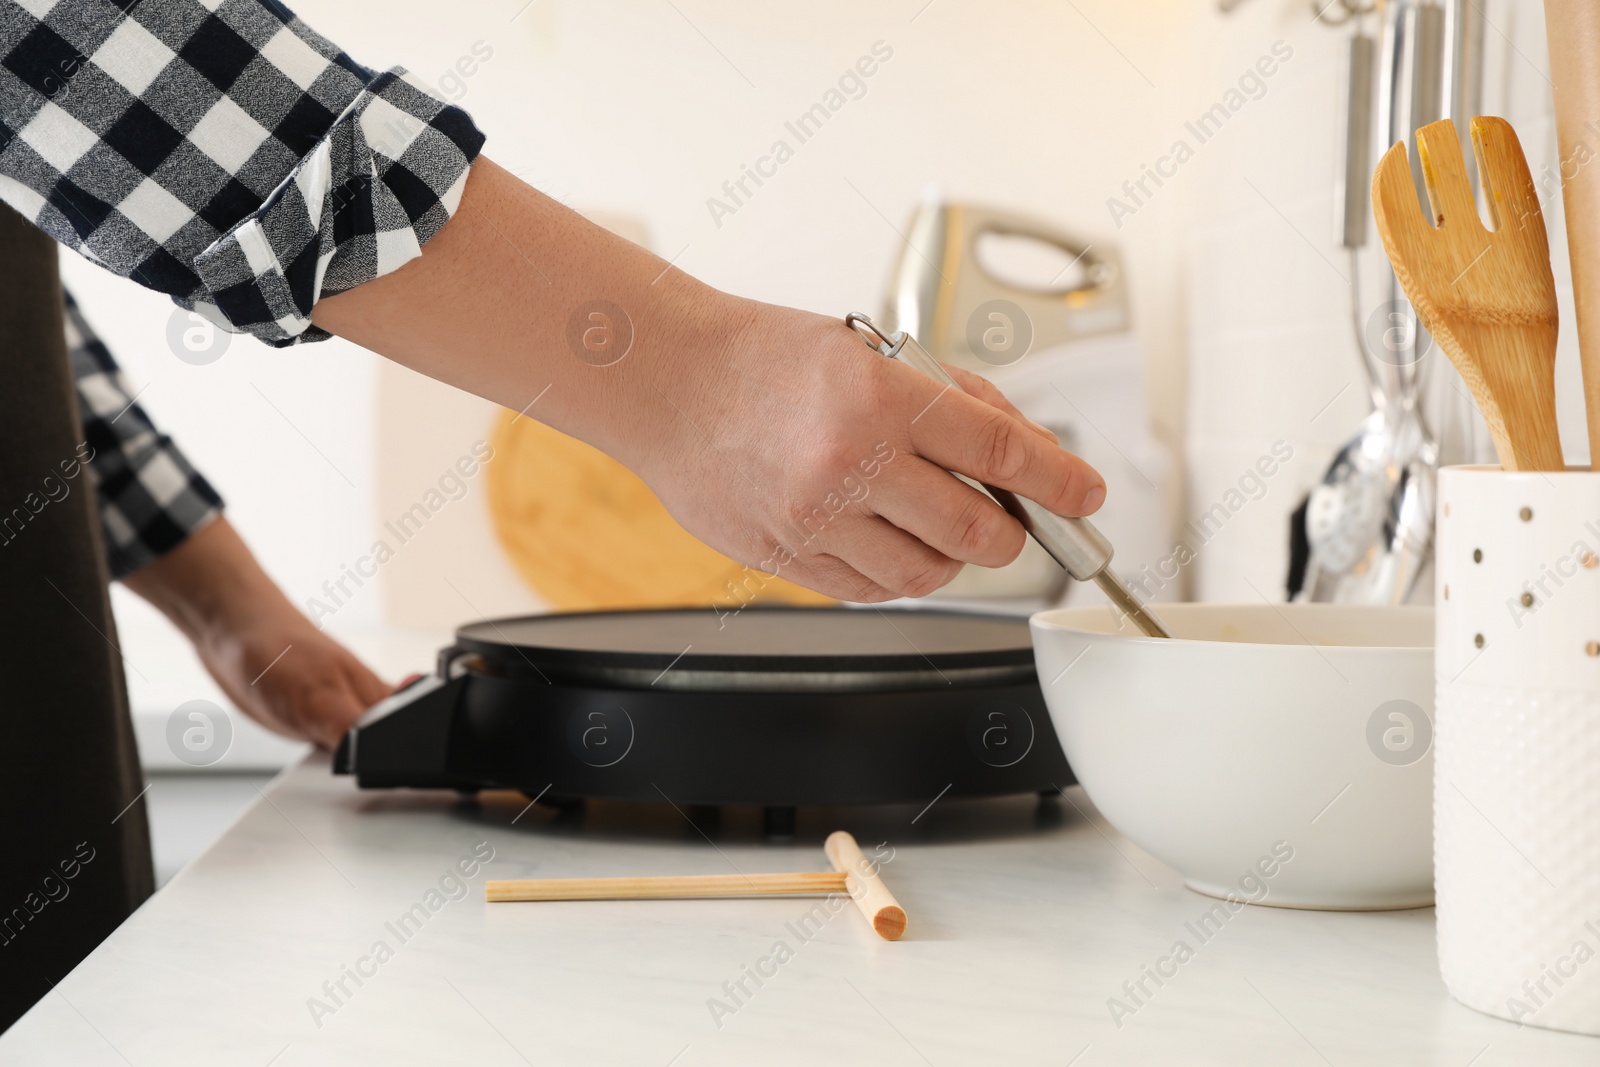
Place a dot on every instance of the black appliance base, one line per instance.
(808, 706)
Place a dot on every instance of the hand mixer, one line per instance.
(1075, 543)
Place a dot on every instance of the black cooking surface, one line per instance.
(775, 638)
(777, 706)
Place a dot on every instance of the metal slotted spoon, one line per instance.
(1369, 522)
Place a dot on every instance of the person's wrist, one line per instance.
(688, 348)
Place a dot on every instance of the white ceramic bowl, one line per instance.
(1280, 754)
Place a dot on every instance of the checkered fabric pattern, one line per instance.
(150, 497)
(222, 152)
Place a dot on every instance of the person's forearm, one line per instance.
(207, 581)
(499, 301)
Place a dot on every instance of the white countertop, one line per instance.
(1025, 918)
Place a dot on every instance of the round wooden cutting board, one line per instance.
(586, 533)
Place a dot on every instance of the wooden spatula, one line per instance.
(1487, 297)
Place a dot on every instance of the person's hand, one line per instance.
(271, 661)
(287, 675)
(749, 421)
(801, 451)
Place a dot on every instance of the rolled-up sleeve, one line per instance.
(222, 152)
(150, 496)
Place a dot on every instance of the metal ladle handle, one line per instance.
(1075, 543)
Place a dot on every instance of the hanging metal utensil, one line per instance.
(1369, 524)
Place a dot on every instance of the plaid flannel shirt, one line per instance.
(222, 152)
(150, 497)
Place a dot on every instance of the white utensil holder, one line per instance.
(1517, 757)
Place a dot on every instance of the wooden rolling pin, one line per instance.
(853, 873)
(1573, 30)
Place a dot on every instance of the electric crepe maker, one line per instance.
(772, 706)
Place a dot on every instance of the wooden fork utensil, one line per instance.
(1487, 296)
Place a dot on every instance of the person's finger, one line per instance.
(963, 434)
(407, 682)
(335, 708)
(825, 572)
(892, 558)
(325, 712)
(985, 390)
(949, 516)
(329, 693)
(832, 576)
(369, 688)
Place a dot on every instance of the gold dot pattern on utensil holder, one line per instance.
(1477, 555)
(1447, 509)
(1477, 639)
(1526, 514)
(1447, 592)
(1593, 648)
(1527, 600)
(1588, 560)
